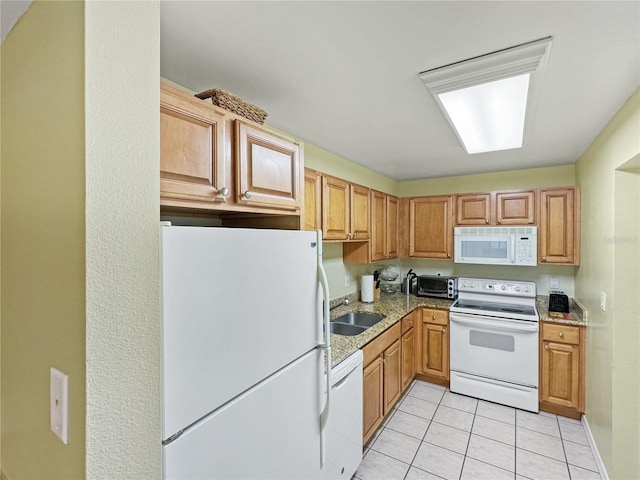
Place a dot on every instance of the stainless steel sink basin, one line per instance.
(354, 323)
(346, 329)
(360, 318)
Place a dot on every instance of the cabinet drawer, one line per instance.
(408, 323)
(379, 344)
(440, 317)
(561, 333)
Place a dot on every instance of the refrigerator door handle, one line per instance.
(324, 415)
(322, 276)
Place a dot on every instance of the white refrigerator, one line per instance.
(245, 351)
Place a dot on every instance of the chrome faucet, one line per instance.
(344, 302)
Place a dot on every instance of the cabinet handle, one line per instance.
(355, 235)
(499, 221)
(561, 334)
(223, 191)
(487, 222)
(444, 330)
(348, 235)
(434, 316)
(544, 259)
(410, 322)
(546, 346)
(448, 255)
(246, 194)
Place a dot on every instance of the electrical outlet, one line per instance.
(554, 282)
(347, 280)
(59, 404)
(603, 301)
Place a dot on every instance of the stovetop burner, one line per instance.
(496, 298)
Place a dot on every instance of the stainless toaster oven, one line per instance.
(437, 286)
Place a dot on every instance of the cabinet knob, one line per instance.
(546, 347)
(448, 255)
(499, 221)
(544, 259)
(444, 330)
(348, 235)
(223, 191)
(487, 222)
(434, 316)
(355, 235)
(561, 334)
(411, 322)
(404, 340)
(246, 194)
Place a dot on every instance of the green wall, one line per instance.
(608, 175)
(43, 255)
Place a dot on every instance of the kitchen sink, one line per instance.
(346, 329)
(354, 323)
(361, 319)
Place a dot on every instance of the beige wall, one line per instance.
(43, 256)
(487, 182)
(0, 261)
(609, 229)
(123, 202)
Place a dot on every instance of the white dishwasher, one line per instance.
(344, 425)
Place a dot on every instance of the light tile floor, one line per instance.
(433, 433)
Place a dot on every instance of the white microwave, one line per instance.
(496, 245)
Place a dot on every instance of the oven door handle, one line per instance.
(502, 325)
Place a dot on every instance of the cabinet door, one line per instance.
(335, 208)
(312, 194)
(372, 408)
(558, 226)
(560, 374)
(359, 213)
(391, 249)
(192, 164)
(473, 209)
(392, 375)
(378, 227)
(515, 208)
(430, 227)
(435, 350)
(268, 169)
(408, 358)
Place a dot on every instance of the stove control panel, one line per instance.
(497, 287)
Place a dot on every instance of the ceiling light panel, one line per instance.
(490, 100)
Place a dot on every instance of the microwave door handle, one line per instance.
(513, 249)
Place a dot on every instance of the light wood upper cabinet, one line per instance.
(473, 209)
(383, 242)
(211, 159)
(515, 208)
(562, 367)
(559, 226)
(496, 208)
(312, 205)
(345, 210)
(193, 168)
(430, 227)
(268, 169)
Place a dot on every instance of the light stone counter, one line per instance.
(393, 305)
(577, 311)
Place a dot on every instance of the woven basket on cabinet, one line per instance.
(229, 101)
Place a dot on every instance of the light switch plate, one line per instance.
(347, 280)
(59, 404)
(553, 282)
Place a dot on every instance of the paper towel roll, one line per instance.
(366, 289)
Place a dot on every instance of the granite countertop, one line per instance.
(396, 305)
(393, 305)
(577, 312)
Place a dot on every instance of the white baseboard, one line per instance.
(594, 449)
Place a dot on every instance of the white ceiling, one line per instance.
(344, 75)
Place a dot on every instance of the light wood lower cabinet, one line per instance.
(372, 395)
(408, 352)
(392, 366)
(435, 344)
(562, 368)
